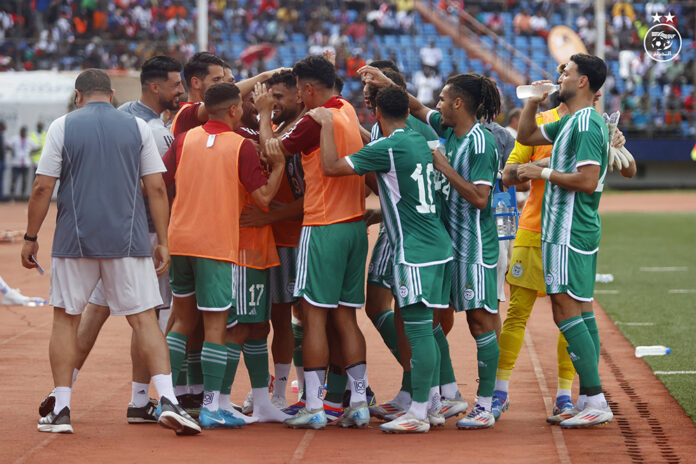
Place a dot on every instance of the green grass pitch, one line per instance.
(631, 241)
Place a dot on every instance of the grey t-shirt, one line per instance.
(503, 139)
(99, 154)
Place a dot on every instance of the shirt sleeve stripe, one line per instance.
(586, 163)
(482, 182)
(543, 133)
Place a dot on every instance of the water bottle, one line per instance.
(604, 278)
(500, 220)
(655, 350)
(527, 91)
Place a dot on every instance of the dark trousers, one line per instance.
(23, 173)
(2, 180)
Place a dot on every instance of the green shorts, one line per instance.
(213, 282)
(283, 276)
(569, 271)
(474, 286)
(380, 270)
(429, 285)
(331, 265)
(253, 299)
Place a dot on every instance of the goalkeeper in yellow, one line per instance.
(525, 274)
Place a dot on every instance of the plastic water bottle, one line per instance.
(500, 221)
(654, 350)
(604, 278)
(527, 91)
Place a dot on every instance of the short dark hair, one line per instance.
(316, 68)
(479, 93)
(384, 64)
(158, 67)
(396, 77)
(221, 96)
(593, 67)
(392, 102)
(93, 81)
(338, 84)
(283, 77)
(198, 66)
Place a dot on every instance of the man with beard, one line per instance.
(161, 88)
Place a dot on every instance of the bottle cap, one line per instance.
(668, 350)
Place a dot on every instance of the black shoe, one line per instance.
(56, 423)
(47, 404)
(174, 417)
(191, 403)
(144, 415)
(371, 401)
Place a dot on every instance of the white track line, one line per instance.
(38, 447)
(556, 432)
(681, 290)
(606, 292)
(639, 324)
(298, 455)
(675, 372)
(665, 269)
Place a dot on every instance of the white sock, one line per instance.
(195, 389)
(419, 410)
(561, 392)
(299, 372)
(485, 402)
(282, 371)
(4, 288)
(74, 375)
(357, 380)
(226, 404)
(582, 399)
(449, 391)
(180, 390)
(502, 385)
(164, 387)
(596, 401)
(264, 411)
(404, 398)
(333, 405)
(434, 402)
(211, 400)
(62, 395)
(139, 396)
(314, 388)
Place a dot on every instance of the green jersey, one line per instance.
(404, 166)
(571, 218)
(475, 158)
(411, 122)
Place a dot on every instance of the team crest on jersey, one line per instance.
(549, 279)
(403, 291)
(290, 287)
(517, 270)
(468, 294)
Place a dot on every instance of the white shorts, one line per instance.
(505, 250)
(129, 284)
(99, 298)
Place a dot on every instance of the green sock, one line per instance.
(581, 349)
(181, 379)
(591, 324)
(384, 323)
(418, 325)
(177, 351)
(406, 382)
(234, 351)
(487, 356)
(195, 370)
(437, 371)
(446, 370)
(256, 360)
(298, 335)
(336, 383)
(214, 363)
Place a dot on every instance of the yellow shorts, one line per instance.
(526, 269)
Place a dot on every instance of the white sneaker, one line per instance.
(279, 402)
(248, 405)
(454, 407)
(407, 423)
(436, 418)
(588, 418)
(389, 408)
(239, 415)
(14, 298)
(478, 418)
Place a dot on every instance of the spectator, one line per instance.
(522, 23)
(496, 24)
(355, 62)
(427, 82)
(539, 25)
(513, 120)
(431, 56)
(2, 161)
(21, 147)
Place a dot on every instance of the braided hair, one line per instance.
(479, 93)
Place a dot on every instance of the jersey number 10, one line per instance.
(426, 204)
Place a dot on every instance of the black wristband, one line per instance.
(30, 239)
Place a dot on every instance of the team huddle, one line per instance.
(251, 204)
